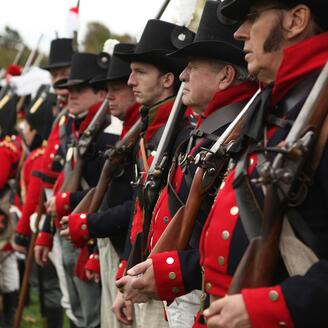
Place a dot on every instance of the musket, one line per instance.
(115, 158)
(28, 265)
(162, 9)
(72, 181)
(156, 175)
(283, 178)
(33, 56)
(211, 165)
(19, 54)
(160, 164)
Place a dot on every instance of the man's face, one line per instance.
(57, 75)
(28, 133)
(262, 33)
(120, 97)
(201, 78)
(81, 98)
(146, 82)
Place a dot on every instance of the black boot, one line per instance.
(54, 317)
(9, 301)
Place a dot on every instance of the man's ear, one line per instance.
(226, 77)
(296, 21)
(168, 80)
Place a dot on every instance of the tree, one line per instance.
(97, 34)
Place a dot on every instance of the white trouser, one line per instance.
(55, 257)
(182, 312)
(152, 315)
(108, 268)
(9, 274)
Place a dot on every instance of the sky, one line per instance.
(31, 18)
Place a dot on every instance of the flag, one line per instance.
(73, 20)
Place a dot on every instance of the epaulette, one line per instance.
(39, 152)
(9, 145)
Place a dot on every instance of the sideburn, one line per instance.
(274, 39)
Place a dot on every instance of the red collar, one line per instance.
(131, 117)
(298, 61)
(91, 113)
(229, 96)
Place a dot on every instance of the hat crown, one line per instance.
(61, 52)
(86, 66)
(41, 117)
(160, 35)
(118, 68)
(212, 29)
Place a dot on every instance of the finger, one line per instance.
(139, 283)
(140, 268)
(44, 256)
(64, 233)
(128, 310)
(215, 322)
(64, 220)
(120, 315)
(215, 308)
(121, 282)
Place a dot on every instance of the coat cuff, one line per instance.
(78, 229)
(63, 206)
(44, 239)
(93, 263)
(168, 275)
(121, 269)
(266, 307)
(22, 240)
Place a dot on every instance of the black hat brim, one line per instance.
(70, 84)
(109, 79)
(157, 58)
(56, 66)
(236, 9)
(212, 49)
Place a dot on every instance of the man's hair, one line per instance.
(241, 72)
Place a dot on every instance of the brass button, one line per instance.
(175, 290)
(222, 185)
(282, 324)
(83, 216)
(56, 146)
(120, 265)
(170, 260)
(52, 155)
(208, 286)
(251, 161)
(165, 219)
(66, 207)
(64, 195)
(62, 162)
(221, 260)
(172, 275)
(225, 235)
(84, 227)
(234, 210)
(273, 295)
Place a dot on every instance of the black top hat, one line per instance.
(238, 9)
(84, 68)
(8, 115)
(158, 39)
(61, 52)
(118, 68)
(214, 39)
(39, 114)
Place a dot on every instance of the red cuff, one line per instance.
(168, 275)
(267, 308)
(63, 206)
(44, 239)
(93, 263)
(78, 229)
(121, 269)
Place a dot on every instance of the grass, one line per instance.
(31, 315)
